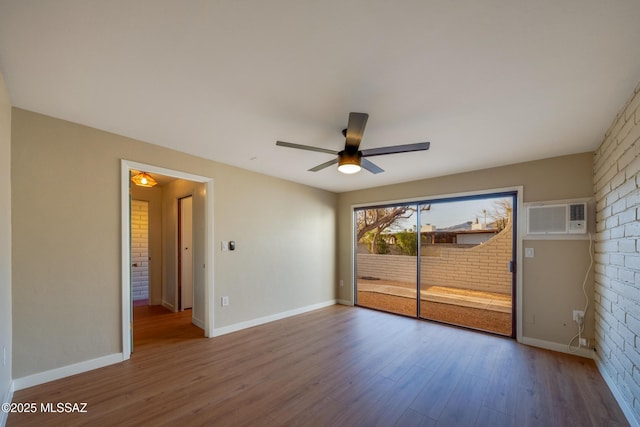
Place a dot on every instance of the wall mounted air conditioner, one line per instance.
(567, 218)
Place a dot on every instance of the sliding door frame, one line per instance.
(516, 191)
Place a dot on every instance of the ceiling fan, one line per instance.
(352, 159)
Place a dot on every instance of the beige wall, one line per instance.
(552, 289)
(285, 238)
(5, 242)
(547, 301)
(66, 240)
(617, 281)
(153, 195)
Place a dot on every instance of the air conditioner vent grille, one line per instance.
(576, 212)
(548, 219)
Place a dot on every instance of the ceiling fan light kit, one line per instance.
(352, 159)
(349, 162)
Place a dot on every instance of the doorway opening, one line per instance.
(162, 269)
(450, 260)
(166, 295)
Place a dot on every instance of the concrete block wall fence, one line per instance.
(484, 267)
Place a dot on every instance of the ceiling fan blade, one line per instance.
(324, 165)
(370, 166)
(420, 146)
(355, 129)
(305, 147)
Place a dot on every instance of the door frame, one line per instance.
(518, 229)
(125, 167)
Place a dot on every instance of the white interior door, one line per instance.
(186, 252)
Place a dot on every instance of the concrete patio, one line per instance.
(447, 295)
(482, 310)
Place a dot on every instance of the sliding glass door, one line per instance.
(465, 263)
(457, 254)
(386, 261)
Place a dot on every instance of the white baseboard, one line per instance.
(345, 302)
(7, 397)
(199, 323)
(266, 319)
(562, 348)
(617, 394)
(168, 306)
(66, 371)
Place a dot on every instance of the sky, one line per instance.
(446, 214)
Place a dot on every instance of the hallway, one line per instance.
(154, 325)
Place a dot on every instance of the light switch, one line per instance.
(224, 246)
(529, 253)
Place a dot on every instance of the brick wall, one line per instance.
(140, 249)
(399, 268)
(617, 270)
(483, 267)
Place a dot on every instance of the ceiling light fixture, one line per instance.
(143, 179)
(349, 162)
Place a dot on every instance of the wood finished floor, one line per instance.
(338, 366)
(155, 326)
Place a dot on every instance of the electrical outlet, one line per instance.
(341, 283)
(225, 301)
(584, 342)
(578, 316)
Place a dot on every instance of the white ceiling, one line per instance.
(487, 82)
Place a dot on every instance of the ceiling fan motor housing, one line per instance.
(348, 157)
